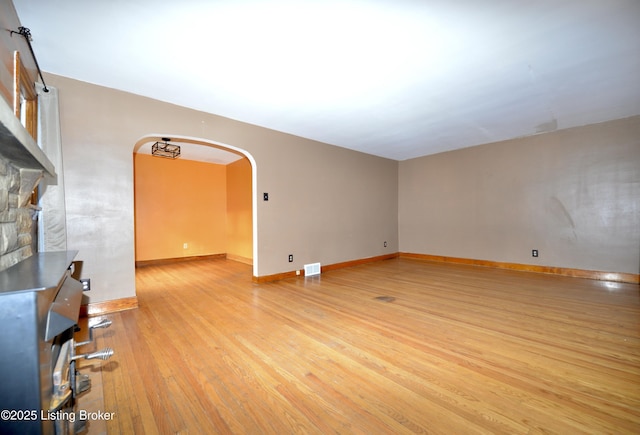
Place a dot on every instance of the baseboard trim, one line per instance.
(239, 259)
(107, 307)
(629, 278)
(352, 263)
(276, 277)
(162, 261)
(326, 268)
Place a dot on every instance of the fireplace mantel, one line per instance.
(17, 145)
(22, 166)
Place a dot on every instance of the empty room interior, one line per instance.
(369, 217)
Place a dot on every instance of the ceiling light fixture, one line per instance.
(165, 149)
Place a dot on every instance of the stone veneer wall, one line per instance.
(17, 214)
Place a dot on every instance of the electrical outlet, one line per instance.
(534, 253)
(86, 284)
(185, 246)
(385, 244)
(290, 258)
(265, 196)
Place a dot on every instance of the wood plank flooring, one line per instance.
(459, 350)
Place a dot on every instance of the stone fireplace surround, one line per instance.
(22, 166)
(17, 214)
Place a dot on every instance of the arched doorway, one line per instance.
(188, 140)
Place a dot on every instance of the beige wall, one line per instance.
(574, 195)
(179, 202)
(327, 204)
(571, 194)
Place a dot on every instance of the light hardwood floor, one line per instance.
(461, 349)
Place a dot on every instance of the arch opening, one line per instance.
(225, 147)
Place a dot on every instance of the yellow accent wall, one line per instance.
(178, 202)
(239, 211)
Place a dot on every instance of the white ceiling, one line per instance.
(394, 78)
